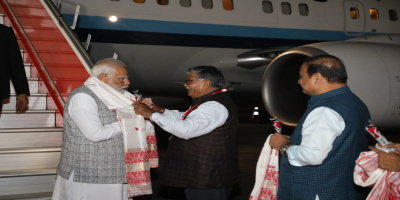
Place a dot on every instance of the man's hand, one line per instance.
(148, 102)
(278, 140)
(395, 146)
(152, 105)
(142, 109)
(387, 161)
(22, 103)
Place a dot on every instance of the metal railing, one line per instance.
(70, 35)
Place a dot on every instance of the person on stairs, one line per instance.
(12, 68)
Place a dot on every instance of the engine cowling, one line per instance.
(373, 68)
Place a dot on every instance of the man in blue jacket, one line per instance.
(319, 158)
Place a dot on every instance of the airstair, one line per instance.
(30, 142)
(30, 145)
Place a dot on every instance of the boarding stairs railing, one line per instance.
(30, 142)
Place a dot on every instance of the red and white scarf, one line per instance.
(139, 137)
(386, 184)
(267, 172)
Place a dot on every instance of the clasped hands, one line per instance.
(146, 107)
(388, 161)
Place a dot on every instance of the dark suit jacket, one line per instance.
(11, 65)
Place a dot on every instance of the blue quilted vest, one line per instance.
(333, 179)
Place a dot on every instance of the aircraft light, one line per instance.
(113, 18)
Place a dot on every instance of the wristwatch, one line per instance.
(284, 148)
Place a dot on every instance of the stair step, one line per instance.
(27, 67)
(26, 185)
(36, 102)
(27, 3)
(29, 150)
(44, 44)
(31, 138)
(33, 85)
(33, 196)
(25, 11)
(29, 158)
(27, 172)
(50, 35)
(29, 119)
(51, 60)
(19, 130)
(37, 23)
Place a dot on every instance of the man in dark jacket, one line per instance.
(319, 158)
(11, 67)
(202, 155)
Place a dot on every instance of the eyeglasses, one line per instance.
(189, 81)
(122, 78)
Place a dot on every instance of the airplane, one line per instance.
(258, 45)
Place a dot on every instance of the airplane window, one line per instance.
(303, 8)
(207, 4)
(267, 6)
(286, 8)
(354, 14)
(138, 1)
(163, 2)
(374, 14)
(185, 3)
(393, 15)
(227, 4)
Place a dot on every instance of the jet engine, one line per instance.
(373, 68)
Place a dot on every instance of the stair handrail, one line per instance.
(69, 35)
(51, 87)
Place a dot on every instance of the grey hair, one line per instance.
(209, 73)
(105, 66)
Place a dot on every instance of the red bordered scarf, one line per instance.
(267, 173)
(139, 137)
(386, 184)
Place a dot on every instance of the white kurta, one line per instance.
(83, 111)
(320, 129)
(200, 121)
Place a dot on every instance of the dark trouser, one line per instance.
(208, 194)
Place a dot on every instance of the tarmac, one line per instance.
(252, 136)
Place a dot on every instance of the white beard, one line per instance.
(120, 90)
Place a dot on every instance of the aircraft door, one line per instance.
(354, 17)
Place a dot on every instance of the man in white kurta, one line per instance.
(82, 110)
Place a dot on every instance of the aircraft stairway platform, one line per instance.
(30, 147)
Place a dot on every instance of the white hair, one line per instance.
(106, 66)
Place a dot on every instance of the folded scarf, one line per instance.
(386, 184)
(267, 172)
(139, 137)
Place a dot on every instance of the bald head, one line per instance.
(330, 67)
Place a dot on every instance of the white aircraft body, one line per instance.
(160, 39)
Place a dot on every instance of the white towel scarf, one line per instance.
(139, 137)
